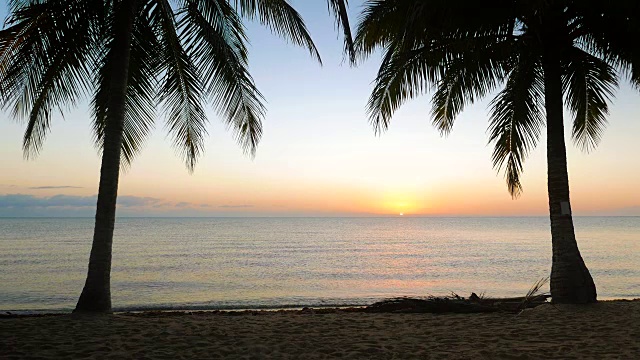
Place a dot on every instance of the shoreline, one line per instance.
(189, 311)
(230, 308)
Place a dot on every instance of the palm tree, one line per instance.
(131, 56)
(544, 53)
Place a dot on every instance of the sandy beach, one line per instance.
(605, 330)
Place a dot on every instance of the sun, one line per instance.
(398, 204)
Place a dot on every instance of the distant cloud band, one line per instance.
(61, 205)
(55, 187)
(23, 201)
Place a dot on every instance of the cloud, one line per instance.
(62, 205)
(29, 201)
(625, 211)
(128, 200)
(55, 187)
(23, 201)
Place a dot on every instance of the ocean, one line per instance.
(247, 263)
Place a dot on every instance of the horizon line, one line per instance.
(306, 216)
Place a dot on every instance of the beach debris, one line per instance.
(455, 303)
(430, 305)
(534, 295)
(308, 311)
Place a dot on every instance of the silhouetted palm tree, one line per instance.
(131, 56)
(541, 52)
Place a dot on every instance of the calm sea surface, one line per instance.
(276, 262)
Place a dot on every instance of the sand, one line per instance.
(607, 330)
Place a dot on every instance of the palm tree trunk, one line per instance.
(96, 294)
(571, 281)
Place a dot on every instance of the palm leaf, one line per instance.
(588, 84)
(383, 23)
(181, 91)
(424, 49)
(467, 78)
(339, 10)
(281, 18)
(45, 55)
(604, 28)
(445, 64)
(214, 34)
(516, 119)
(141, 91)
(387, 23)
(402, 76)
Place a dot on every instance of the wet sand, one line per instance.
(607, 330)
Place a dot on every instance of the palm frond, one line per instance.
(588, 83)
(467, 78)
(603, 30)
(281, 18)
(181, 91)
(458, 67)
(402, 76)
(213, 33)
(534, 295)
(516, 119)
(386, 23)
(424, 49)
(45, 55)
(339, 10)
(141, 91)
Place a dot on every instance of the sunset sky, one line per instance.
(319, 155)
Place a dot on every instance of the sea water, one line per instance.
(234, 263)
